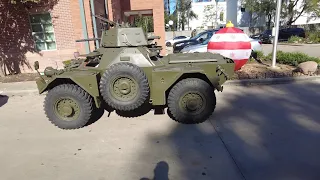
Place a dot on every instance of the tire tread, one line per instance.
(77, 92)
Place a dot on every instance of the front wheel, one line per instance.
(191, 101)
(68, 106)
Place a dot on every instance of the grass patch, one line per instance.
(288, 58)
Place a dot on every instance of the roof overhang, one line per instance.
(138, 12)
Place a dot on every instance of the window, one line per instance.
(179, 37)
(42, 31)
(221, 16)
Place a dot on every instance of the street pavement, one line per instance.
(309, 49)
(261, 132)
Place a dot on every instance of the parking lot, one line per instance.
(266, 132)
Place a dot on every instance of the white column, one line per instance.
(232, 11)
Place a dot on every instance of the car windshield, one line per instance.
(206, 41)
(198, 35)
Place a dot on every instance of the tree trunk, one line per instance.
(269, 21)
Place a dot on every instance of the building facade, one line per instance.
(216, 13)
(47, 32)
(232, 10)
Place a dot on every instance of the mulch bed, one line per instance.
(252, 70)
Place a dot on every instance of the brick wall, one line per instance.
(116, 9)
(15, 38)
(158, 17)
(17, 47)
(17, 52)
(76, 25)
(100, 10)
(115, 12)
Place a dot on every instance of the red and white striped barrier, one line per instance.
(233, 43)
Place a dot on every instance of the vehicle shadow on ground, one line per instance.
(3, 100)
(266, 132)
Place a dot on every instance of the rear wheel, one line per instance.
(191, 101)
(68, 106)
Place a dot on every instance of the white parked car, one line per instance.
(256, 45)
(170, 42)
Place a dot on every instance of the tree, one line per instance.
(146, 22)
(173, 17)
(14, 16)
(293, 9)
(185, 13)
(266, 7)
(210, 15)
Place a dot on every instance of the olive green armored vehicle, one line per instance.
(127, 74)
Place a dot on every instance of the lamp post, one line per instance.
(171, 23)
(276, 36)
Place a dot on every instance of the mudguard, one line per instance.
(165, 77)
(87, 80)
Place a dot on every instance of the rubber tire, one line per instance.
(97, 114)
(129, 69)
(182, 87)
(77, 93)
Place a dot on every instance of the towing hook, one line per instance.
(219, 88)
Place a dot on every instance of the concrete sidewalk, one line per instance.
(255, 133)
(19, 88)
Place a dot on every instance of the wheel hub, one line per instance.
(124, 89)
(67, 109)
(192, 102)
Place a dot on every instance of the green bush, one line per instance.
(260, 55)
(292, 59)
(295, 39)
(313, 37)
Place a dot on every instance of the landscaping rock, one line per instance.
(307, 67)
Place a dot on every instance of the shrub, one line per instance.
(292, 59)
(260, 55)
(313, 37)
(295, 39)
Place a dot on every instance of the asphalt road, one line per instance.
(266, 132)
(309, 49)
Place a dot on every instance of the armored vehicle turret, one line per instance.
(128, 74)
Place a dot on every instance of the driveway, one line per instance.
(266, 132)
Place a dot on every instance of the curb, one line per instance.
(245, 82)
(20, 92)
(269, 81)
